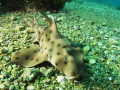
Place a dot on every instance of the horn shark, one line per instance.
(54, 48)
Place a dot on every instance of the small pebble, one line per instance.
(2, 86)
(18, 28)
(92, 61)
(86, 48)
(61, 78)
(30, 88)
(13, 18)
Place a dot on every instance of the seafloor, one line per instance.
(96, 26)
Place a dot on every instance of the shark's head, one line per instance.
(70, 63)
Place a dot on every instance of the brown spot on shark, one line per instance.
(54, 48)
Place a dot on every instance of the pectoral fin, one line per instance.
(29, 56)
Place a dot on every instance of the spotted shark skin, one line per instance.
(54, 48)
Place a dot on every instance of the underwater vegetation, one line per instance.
(32, 5)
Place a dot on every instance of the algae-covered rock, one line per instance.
(32, 5)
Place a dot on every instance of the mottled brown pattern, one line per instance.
(55, 48)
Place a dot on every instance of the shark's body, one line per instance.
(53, 47)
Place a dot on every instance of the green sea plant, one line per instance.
(53, 47)
(33, 5)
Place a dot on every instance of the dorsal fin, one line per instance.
(53, 26)
(50, 19)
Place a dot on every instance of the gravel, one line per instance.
(97, 27)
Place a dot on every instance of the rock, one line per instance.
(86, 48)
(30, 88)
(2, 86)
(61, 79)
(29, 74)
(18, 28)
(92, 61)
